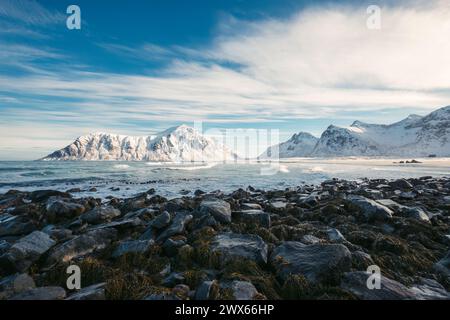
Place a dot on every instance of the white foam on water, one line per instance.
(121, 166)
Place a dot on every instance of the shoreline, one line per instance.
(308, 242)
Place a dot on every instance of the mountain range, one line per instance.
(414, 136)
(177, 144)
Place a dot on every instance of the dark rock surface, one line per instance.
(309, 242)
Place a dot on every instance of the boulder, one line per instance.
(401, 184)
(44, 195)
(371, 209)
(161, 221)
(233, 245)
(42, 293)
(356, 284)
(316, 262)
(429, 289)
(93, 292)
(15, 225)
(335, 235)
(60, 210)
(15, 284)
(171, 246)
(207, 290)
(27, 250)
(100, 214)
(219, 209)
(177, 227)
(241, 290)
(258, 217)
(132, 246)
(82, 245)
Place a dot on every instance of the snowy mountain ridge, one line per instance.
(177, 144)
(414, 136)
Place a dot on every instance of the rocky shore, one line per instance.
(311, 242)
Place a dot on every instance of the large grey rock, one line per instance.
(370, 208)
(28, 249)
(241, 290)
(207, 290)
(335, 235)
(42, 293)
(219, 209)
(177, 226)
(161, 221)
(60, 209)
(233, 245)
(15, 284)
(15, 225)
(356, 283)
(132, 246)
(93, 292)
(254, 216)
(100, 214)
(316, 262)
(410, 212)
(429, 289)
(443, 266)
(82, 245)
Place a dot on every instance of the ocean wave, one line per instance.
(121, 166)
(192, 168)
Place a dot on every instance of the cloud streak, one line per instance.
(320, 63)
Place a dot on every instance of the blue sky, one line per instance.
(138, 67)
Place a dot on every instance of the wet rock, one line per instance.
(100, 214)
(361, 260)
(207, 290)
(42, 293)
(251, 206)
(408, 195)
(173, 279)
(81, 245)
(356, 283)
(15, 225)
(177, 227)
(161, 221)
(199, 192)
(43, 195)
(429, 289)
(416, 213)
(219, 209)
(401, 184)
(171, 246)
(371, 209)
(27, 250)
(93, 292)
(316, 262)
(232, 245)
(120, 225)
(132, 246)
(241, 290)
(57, 233)
(277, 206)
(335, 235)
(443, 267)
(15, 284)
(310, 239)
(181, 291)
(258, 217)
(4, 246)
(61, 210)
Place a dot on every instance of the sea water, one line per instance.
(125, 179)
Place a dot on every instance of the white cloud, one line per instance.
(319, 63)
(29, 12)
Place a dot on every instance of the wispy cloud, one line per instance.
(29, 12)
(320, 63)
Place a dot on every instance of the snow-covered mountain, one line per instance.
(178, 144)
(299, 145)
(414, 136)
